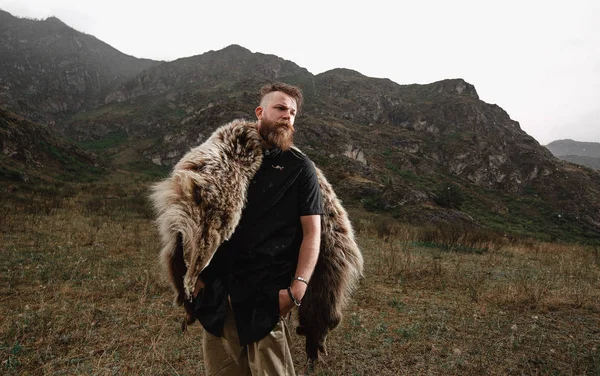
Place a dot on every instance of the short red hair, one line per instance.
(291, 90)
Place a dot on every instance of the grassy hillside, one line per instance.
(81, 295)
(32, 151)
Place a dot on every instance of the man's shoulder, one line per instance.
(297, 154)
(295, 157)
(306, 166)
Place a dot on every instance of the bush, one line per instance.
(449, 196)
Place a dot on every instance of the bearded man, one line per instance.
(262, 272)
(250, 230)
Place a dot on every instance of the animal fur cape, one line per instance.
(199, 206)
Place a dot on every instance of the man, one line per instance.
(262, 272)
(244, 241)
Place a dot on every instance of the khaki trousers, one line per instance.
(271, 356)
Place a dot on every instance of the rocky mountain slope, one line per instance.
(34, 150)
(590, 162)
(48, 69)
(420, 153)
(582, 153)
(387, 147)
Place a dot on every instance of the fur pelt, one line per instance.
(199, 206)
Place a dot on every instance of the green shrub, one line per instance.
(449, 196)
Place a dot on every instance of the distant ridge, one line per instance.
(571, 147)
(582, 153)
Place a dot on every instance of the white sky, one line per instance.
(538, 60)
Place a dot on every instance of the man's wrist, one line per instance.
(297, 301)
(298, 289)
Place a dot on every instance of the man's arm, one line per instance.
(307, 260)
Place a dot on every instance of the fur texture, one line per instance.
(200, 204)
(336, 274)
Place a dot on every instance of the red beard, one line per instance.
(277, 133)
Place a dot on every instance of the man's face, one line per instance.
(276, 115)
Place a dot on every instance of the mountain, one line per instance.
(33, 150)
(590, 162)
(420, 153)
(182, 92)
(569, 147)
(48, 69)
(387, 147)
(582, 153)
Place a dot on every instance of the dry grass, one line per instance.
(79, 295)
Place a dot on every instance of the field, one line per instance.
(80, 294)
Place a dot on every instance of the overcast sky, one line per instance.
(538, 60)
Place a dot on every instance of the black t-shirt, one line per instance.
(261, 256)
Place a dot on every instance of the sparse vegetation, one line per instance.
(484, 287)
(81, 295)
(449, 196)
(111, 140)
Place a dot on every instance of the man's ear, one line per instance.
(258, 111)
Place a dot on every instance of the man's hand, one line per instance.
(199, 286)
(190, 315)
(286, 304)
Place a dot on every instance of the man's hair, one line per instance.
(292, 91)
